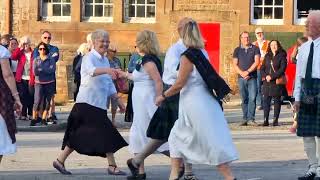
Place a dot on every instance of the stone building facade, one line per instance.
(280, 19)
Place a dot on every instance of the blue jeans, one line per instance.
(248, 93)
(259, 98)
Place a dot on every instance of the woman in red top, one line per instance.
(24, 75)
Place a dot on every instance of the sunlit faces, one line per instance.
(42, 50)
(46, 37)
(244, 38)
(259, 35)
(101, 45)
(274, 46)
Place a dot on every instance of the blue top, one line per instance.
(44, 70)
(133, 62)
(52, 50)
(246, 58)
(94, 90)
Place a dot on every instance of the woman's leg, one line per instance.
(266, 109)
(64, 154)
(150, 148)
(175, 167)
(277, 109)
(225, 170)
(113, 168)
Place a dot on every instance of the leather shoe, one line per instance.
(60, 167)
(307, 176)
(134, 170)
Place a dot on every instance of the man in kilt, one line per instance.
(307, 95)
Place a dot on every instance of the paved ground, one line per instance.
(270, 153)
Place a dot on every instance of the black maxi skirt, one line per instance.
(164, 118)
(90, 132)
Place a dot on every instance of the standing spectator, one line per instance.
(147, 85)
(273, 67)
(44, 67)
(25, 75)
(89, 41)
(307, 95)
(5, 40)
(246, 58)
(300, 41)
(205, 141)
(54, 54)
(9, 101)
(89, 130)
(115, 64)
(13, 45)
(76, 67)
(262, 44)
(134, 58)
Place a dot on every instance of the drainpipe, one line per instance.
(8, 17)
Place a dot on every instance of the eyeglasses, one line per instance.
(42, 49)
(47, 37)
(112, 51)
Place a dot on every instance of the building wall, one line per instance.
(233, 16)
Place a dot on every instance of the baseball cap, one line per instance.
(258, 30)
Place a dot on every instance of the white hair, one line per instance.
(83, 49)
(25, 39)
(98, 34)
(315, 14)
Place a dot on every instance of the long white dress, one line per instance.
(6, 146)
(201, 134)
(143, 102)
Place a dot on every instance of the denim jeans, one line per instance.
(248, 93)
(259, 98)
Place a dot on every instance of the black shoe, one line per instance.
(134, 170)
(54, 117)
(33, 122)
(275, 122)
(307, 176)
(137, 177)
(190, 177)
(244, 124)
(265, 123)
(44, 122)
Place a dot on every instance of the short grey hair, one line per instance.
(98, 34)
(316, 14)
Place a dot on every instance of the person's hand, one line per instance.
(159, 100)
(247, 78)
(112, 72)
(296, 106)
(268, 78)
(39, 69)
(17, 107)
(121, 74)
(122, 107)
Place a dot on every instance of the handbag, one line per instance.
(122, 85)
(282, 80)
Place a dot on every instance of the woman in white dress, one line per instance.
(201, 134)
(147, 85)
(9, 100)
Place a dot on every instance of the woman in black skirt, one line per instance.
(89, 131)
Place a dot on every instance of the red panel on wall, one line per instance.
(211, 35)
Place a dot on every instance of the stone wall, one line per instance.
(2, 16)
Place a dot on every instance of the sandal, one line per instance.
(114, 172)
(134, 170)
(190, 177)
(60, 167)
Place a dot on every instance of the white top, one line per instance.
(302, 60)
(95, 90)
(172, 60)
(26, 68)
(4, 53)
(14, 65)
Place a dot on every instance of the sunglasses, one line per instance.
(47, 37)
(42, 49)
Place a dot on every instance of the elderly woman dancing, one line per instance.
(89, 130)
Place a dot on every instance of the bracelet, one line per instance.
(15, 94)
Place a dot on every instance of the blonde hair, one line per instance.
(148, 43)
(83, 49)
(191, 35)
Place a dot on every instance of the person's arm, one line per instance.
(36, 53)
(185, 70)
(293, 55)
(15, 55)
(35, 67)
(10, 81)
(254, 66)
(297, 84)
(153, 72)
(55, 53)
(89, 68)
(283, 65)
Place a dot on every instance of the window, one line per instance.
(140, 11)
(56, 10)
(267, 12)
(98, 10)
(302, 8)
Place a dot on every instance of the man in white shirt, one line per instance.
(307, 95)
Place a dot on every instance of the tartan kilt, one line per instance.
(309, 115)
(164, 118)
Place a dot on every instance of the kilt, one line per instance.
(164, 118)
(309, 115)
(90, 132)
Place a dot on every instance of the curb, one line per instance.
(49, 128)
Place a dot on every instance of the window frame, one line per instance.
(55, 18)
(266, 21)
(94, 18)
(298, 21)
(145, 20)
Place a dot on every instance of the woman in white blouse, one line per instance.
(89, 130)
